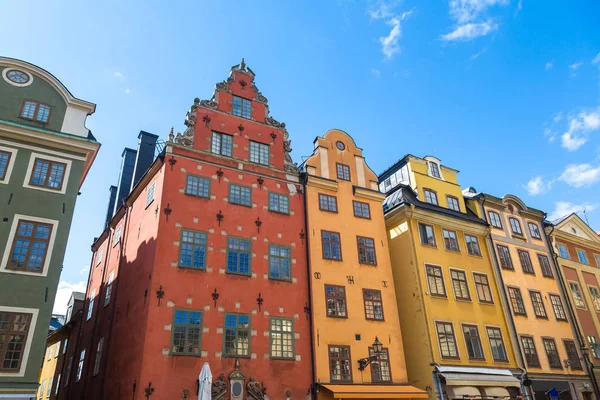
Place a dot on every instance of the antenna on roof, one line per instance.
(586, 218)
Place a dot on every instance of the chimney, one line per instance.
(125, 176)
(111, 204)
(145, 155)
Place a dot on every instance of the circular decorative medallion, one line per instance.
(340, 146)
(236, 389)
(17, 76)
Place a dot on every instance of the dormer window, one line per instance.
(515, 226)
(434, 170)
(35, 111)
(242, 107)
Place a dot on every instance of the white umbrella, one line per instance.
(205, 383)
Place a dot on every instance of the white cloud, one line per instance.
(557, 117)
(380, 10)
(477, 55)
(84, 270)
(549, 66)
(537, 186)
(127, 91)
(464, 11)
(470, 31)
(575, 66)
(119, 75)
(579, 128)
(389, 43)
(579, 175)
(376, 73)
(64, 294)
(596, 59)
(383, 10)
(564, 208)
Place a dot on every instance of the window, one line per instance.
(17, 76)
(531, 357)
(259, 153)
(221, 144)
(582, 256)
(482, 286)
(197, 186)
(280, 262)
(460, 285)
(343, 171)
(242, 107)
(562, 249)
(526, 262)
(516, 300)
(495, 219)
(186, 332)
(473, 245)
(327, 203)
(446, 339)
(332, 249)
(65, 346)
(50, 351)
(80, 366)
(572, 355)
(282, 338)
(450, 240)
(35, 111)
(453, 203)
(238, 256)
(237, 335)
(69, 366)
(538, 304)
(515, 226)
(30, 246)
(473, 342)
(99, 256)
(497, 344)
(559, 311)
(192, 249)
(380, 368)
(49, 390)
(150, 193)
(545, 265)
(240, 195)
(594, 346)
(335, 298)
(427, 235)
(577, 296)
(109, 285)
(48, 174)
(595, 294)
(57, 352)
(597, 257)
(435, 280)
(117, 236)
(42, 388)
(57, 385)
(4, 159)
(430, 196)
(434, 170)
(534, 230)
(552, 353)
(98, 357)
(504, 257)
(339, 363)
(361, 210)
(373, 304)
(366, 250)
(279, 203)
(90, 309)
(14, 327)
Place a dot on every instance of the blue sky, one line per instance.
(506, 91)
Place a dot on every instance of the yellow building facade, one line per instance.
(456, 336)
(354, 309)
(540, 316)
(48, 388)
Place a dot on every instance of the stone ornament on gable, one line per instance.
(187, 138)
(256, 390)
(219, 388)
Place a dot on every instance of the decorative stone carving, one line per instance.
(275, 123)
(187, 138)
(288, 164)
(222, 86)
(219, 388)
(255, 390)
(209, 104)
(260, 97)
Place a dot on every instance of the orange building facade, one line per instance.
(205, 262)
(358, 347)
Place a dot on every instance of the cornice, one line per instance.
(322, 183)
(567, 237)
(368, 194)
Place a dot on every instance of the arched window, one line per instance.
(515, 226)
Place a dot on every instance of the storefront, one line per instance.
(475, 383)
(329, 391)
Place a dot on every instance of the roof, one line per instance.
(403, 194)
(78, 295)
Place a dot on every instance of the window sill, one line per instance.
(450, 358)
(279, 212)
(329, 211)
(282, 358)
(197, 196)
(184, 354)
(240, 204)
(337, 317)
(501, 361)
(375, 320)
(234, 356)
(191, 268)
(238, 274)
(33, 120)
(149, 204)
(453, 251)
(475, 255)
(429, 245)
(280, 280)
(487, 303)
(463, 300)
(477, 359)
(333, 259)
(367, 264)
(438, 296)
(544, 318)
(358, 216)
(520, 237)
(529, 273)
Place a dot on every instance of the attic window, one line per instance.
(574, 231)
(434, 170)
(17, 77)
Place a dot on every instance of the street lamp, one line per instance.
(377, 349)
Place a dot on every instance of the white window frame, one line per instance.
(11, 162)
(99, 256)
(56, 354)
(34, 317)
(11, 238)
(66, 175)
(150, 193)
(117, 236)
(90, 309)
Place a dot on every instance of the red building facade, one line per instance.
(205, 262)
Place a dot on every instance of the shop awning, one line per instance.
(459, 392)
(494, 391)
(376, 392)
(458, 379)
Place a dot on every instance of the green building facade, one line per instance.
(45, 154)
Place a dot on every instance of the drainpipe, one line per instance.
(124, 236)
(511, 321)
(589, 366)
(310, 302)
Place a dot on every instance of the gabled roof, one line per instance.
(587, 232)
